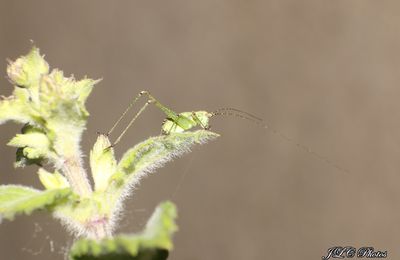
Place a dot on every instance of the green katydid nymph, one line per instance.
(181, 122)
(178, 122)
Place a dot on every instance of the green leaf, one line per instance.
(34, 145)
(102, 162)
(36, 140)
(12, 109)
(151, 244)
(52, 180)
(146, 157)
(84, 87)
(15, 199)
(154, 152)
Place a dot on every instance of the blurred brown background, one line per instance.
(323, 72)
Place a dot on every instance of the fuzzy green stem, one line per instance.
(98, 229)
(67, 146)
(76, 175)
(95, 228)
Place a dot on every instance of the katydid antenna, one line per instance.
(228, 111)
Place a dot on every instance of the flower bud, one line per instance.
(27, 70)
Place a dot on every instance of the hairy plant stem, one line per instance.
(76, 175)
(68, 149)
(96, 228)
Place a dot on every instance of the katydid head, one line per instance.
(201, 118)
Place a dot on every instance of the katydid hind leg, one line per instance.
(124, 113)
(131, 122)
(168, 112)
(150, 99)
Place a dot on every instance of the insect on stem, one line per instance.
(181, 122)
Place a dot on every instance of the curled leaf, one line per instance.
(102, 162)
(52, 180)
